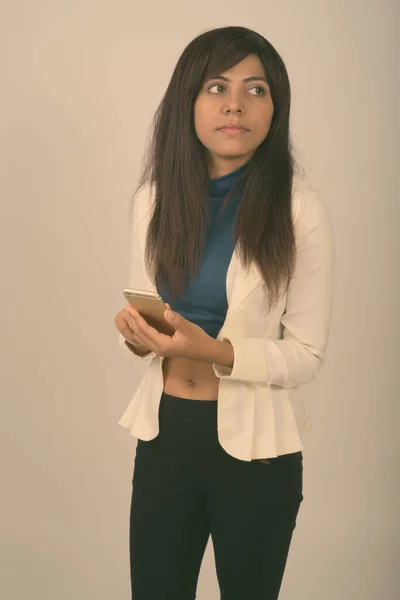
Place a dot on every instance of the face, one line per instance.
(241, 97)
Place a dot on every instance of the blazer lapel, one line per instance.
(241, 283)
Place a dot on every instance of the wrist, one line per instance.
(220, 353)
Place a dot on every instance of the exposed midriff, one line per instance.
(191, 379)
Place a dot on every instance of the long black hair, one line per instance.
(175, 168)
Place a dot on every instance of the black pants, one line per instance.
(186, 488)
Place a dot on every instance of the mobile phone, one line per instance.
(151, 307)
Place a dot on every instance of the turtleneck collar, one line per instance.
(220, 186)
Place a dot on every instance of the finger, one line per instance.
(132, 338)
(127, 333)
(131, 311)
(135, 339)
(136, 322)
(130, 322)
(149, 335)
(130, 331)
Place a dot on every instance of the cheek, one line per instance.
(264, 126)
(203, 118)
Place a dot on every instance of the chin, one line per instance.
(234, 152)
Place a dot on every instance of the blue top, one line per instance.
(205, 302)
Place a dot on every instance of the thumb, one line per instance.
(170, 315)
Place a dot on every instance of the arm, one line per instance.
(297, 358)
(134, 267)
(221, 353)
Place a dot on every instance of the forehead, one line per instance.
(248, 69)
(251, 65)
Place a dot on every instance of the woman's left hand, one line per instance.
(188, 341)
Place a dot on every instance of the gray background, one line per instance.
(80, 83)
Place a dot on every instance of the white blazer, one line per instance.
(261, 410)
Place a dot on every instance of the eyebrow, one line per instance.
(246, 80)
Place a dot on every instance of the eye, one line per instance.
(260, 87)
(257, 87)
(216, 85)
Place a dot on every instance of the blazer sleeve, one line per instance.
(134, 267)
(296, 358)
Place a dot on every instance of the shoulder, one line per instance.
(308, 205)
(142, 201)
(144, 196)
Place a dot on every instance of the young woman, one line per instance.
(227, 231)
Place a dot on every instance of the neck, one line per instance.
(222, 167)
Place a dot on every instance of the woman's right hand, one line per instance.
(124, 322)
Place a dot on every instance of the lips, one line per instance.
(232, 129)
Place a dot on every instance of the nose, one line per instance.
(233, 104)
(230, 110)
